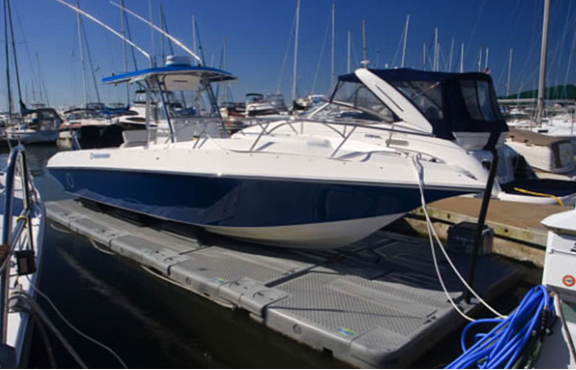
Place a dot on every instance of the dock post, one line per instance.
(481, 222)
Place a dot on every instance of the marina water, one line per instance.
(151, 323)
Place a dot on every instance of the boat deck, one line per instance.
(376, 303)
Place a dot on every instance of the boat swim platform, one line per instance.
(375, 303)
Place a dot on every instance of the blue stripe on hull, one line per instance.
(232, 202)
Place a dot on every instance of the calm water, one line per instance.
(153, 324)
(148, 322)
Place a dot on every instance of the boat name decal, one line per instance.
(99, 156)
(372, 136)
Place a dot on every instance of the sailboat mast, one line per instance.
(424, 56)
(364, 53)
(349, 50)
(124, 51)
(7, 53)
(486, 59)
(405, 40)
(295, 70)
(332, 72)
(462, 58)
(509, 74)
(194, 34)
(480, 59)
(152, 33)
(15, 56)
(82, 67)
(543, 59)
(451, 55)
(435, 66)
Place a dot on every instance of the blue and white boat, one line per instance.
(278, 188)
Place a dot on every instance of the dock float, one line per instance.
(375, 303)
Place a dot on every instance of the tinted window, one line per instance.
(358, 96)
(485, 101)
(426, 95)
(471, 99)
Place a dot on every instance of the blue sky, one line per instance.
(258, 31)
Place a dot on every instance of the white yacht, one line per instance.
(281, 186)
(449, 116)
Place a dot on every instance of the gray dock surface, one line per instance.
(376, 303)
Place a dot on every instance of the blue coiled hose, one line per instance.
(502, 346)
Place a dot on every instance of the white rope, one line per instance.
(432, 232)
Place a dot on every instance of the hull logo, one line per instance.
(99, 156)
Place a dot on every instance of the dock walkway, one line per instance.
(376, 303)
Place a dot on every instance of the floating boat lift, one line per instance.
(375, 303)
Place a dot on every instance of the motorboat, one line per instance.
(37, 126)
(274, 188)
(544, 152)
(22, 219)
(436, 113)
(87, 128)
(258, 105)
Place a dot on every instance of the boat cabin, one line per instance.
(453, 106)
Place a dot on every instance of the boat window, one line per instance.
(471, 99)
(426, 95)
(485, 101)
(355, 95)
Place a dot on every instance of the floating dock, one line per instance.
(518, 231)
(376, 303)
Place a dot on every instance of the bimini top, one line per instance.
(451, 102)
(175, 77)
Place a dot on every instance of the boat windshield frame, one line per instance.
(389, 118)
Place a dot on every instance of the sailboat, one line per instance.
(32, 126)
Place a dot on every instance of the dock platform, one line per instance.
(376, 303)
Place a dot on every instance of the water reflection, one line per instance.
(148, 322)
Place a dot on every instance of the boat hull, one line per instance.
(34, 137)
(279, 212)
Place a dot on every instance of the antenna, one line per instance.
(175, 40)
(106, 27)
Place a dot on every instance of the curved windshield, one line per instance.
(426, 95)
(352, 100)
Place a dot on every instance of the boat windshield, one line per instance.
(426, 95)
(353, 100)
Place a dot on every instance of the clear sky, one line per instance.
(258, 32)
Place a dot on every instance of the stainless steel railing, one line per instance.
(13, 236)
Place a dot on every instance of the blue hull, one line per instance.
(234, 202)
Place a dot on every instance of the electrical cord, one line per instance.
(515, 341)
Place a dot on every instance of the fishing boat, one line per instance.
(22, 219)
(438, 114)
(288, 190)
